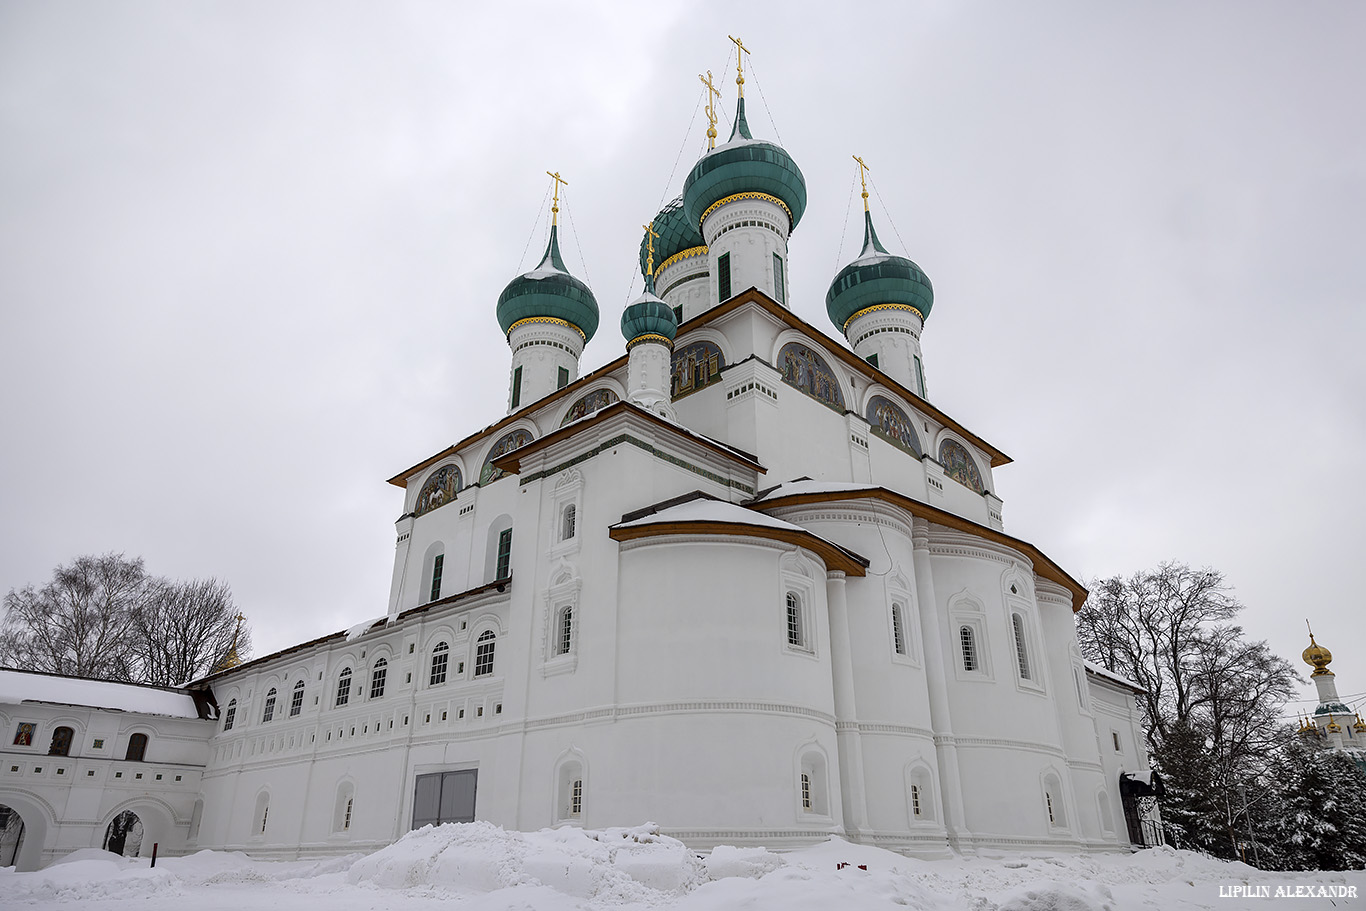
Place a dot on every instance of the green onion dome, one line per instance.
(648, 315)
(674, 234)
(549, 292)
(877, 278)
(744, 165)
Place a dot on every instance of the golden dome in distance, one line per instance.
(1318, 656)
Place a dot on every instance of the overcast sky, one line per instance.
(249, 256)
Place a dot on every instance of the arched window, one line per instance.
(1021, 653)
(262, 813)
(341, 816)
(1052, 800)
(565, 631)
(796, 634)
(483, 654)
(921, 795)
(296, 702)
(438, 566)
(269, 711)
(230, 715)
(440, 658)
(567, 523)
(969, 646)
(61, 742)
(811, 783)
(569, 790)
(898, 629)
(137, 748)
(344, 687)
(378, 677)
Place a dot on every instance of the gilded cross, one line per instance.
(555, 206)
(711, 109)
(650, 247)
(740, 63)
(862, 170)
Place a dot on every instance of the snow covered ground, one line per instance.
(480, 867)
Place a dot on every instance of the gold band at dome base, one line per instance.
(654, 337)
(679, 257)
(764, 196)
(552, 320)
(882, 307)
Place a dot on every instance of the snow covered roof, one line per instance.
(701, 514)
(708, 510)
(30, 686)
(795, 488)
(1099, 671)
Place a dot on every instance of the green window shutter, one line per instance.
(436, 576)
(504, 554)
(778, 287)
(723, 277)
(872, 359)
(564, 378)
(516, 387)
(678, 314)
(920, 377)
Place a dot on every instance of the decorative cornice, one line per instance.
(867, 310)
(679, 257)
(735, 197)
(552, 320)
(651, 338)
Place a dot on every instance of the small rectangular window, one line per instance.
(678, 314)
(919, 377)
(516, 387)
(780, 293)
(504, 554)
(1115, 735)
(563, 378)
(723, 277)
(437, 564)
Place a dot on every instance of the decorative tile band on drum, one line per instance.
(959, 465)
(891, 422)
(510, 441)
(802, 367)
(694, 366)
(439, 490)
(593, 401)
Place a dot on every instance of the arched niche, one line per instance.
(891, 422)
(803, 367)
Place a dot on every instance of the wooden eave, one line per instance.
(1043, 565)
(401, 479)
(835, 557)
(321, 640)
(512, 462)
(849, 358)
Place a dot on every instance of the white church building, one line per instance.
(746, 581)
